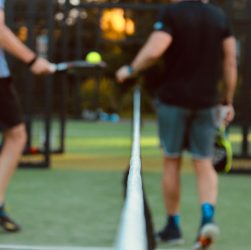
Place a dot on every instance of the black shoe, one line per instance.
(206, 238)
(7, 224)
(170, 235)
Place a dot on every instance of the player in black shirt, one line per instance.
(197, 46)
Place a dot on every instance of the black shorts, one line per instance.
(11, 113)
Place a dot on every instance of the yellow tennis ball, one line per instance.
(93, 57)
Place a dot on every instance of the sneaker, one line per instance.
(7, 224)
(172, 236)
(206, 238)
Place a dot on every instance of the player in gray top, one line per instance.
(11, 118)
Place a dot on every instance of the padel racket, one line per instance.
(223, 155)
(79, 64)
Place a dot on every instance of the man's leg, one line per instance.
(207, 181)
(172, 127)
(171, 233)
(207, 184)
(14, 142)
(203, 130)
(171, 185)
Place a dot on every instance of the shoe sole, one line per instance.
(208, 234)
(174, 242)
(9, 227)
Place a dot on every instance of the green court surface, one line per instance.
(78, 201)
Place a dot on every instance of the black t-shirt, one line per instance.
(193, 62)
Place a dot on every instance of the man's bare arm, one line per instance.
(154, 48)
(230, 76)
(229, 69)
(10, 43)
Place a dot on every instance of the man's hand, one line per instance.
(41, 67)
(226, 114)
(229, 115)
(123, 73)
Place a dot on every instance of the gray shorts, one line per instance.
(181, 128)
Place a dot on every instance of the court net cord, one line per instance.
(132, 230)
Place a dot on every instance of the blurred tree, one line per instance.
(115, 25)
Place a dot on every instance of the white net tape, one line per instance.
(132, 231)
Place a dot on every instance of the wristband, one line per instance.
(29, 64)
(130, 70)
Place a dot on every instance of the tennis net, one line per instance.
(132, 230)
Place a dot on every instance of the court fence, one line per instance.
(64, 30)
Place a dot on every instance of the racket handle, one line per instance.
(223, 111)
(53, 67)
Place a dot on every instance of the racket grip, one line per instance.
(53, 67)
(223, 110)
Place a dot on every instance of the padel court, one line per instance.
(46, 124)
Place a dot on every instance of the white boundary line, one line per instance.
(24, 247)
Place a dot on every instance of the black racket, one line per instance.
(223, 155)
(79, 64)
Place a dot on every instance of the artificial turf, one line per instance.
(78, 201)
